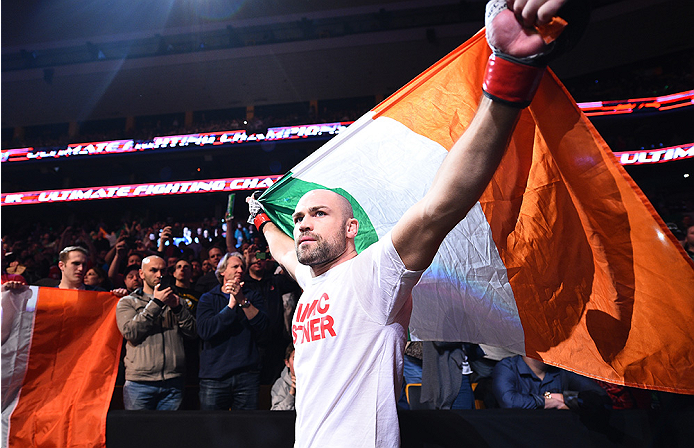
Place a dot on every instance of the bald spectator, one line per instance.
(154, 323)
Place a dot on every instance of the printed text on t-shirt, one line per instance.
(312, 321)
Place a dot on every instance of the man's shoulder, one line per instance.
(214, 292)
(514, 363)
(137, 295)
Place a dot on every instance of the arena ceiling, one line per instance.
(357, 65)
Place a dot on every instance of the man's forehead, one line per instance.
(319, 198)
(154, 262)
(76, 255)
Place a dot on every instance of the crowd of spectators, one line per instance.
(216, 281)
(206, 260)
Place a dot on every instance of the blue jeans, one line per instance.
(412, 374)
(465, 398)
(236, 392)
(164, 395)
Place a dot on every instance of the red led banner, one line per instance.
(139, 190)
(648, 156)
(654, 104)
(591, 109)
(656, 155)
(175, 141)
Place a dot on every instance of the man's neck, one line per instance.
(64, 284)
(321, 269)
(255, 276)
(183, 284)
(538, 367)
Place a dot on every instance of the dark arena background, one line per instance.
(154, 112)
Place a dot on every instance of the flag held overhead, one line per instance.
(563, 257)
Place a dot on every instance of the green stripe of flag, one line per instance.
(280, 202)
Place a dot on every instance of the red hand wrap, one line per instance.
(510, 82)
(260, 220)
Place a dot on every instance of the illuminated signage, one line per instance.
(175, 141)
(648, 156)
(654, 104)
(139, 190)
(591, 109)
(656, 155)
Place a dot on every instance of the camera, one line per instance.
(167, 281)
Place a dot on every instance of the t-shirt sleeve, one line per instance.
(303, 275)
(391, 287)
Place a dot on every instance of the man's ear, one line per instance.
(61, 265)
(352, 227)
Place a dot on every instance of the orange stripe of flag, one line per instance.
(601, 285)
(73, 362)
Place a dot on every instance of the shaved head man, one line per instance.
(350, 325)
(154, 322)
(324, 229)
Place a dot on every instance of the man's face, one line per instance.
(134, 259)
(689, 238)
(320, 233)
(183, 271)
(214, 255)
(290, 363)
(92, 278)
(132, 281)
(74, 267)
(171, 262)
(206, 266)
(256, 266)
(234, 269)
(152, 271)
(195, 267)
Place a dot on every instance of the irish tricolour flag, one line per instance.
(563, 258)
(60, 353)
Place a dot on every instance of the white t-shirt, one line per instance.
(349, 330)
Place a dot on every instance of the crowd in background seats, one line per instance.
(116, 251)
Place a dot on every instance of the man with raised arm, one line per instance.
(350, 325)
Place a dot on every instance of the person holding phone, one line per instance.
(154, 322)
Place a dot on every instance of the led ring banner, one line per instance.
(139, 190)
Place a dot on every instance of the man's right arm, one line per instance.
(470, 164)
(136, 326)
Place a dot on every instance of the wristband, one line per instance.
(245, 304)
(260, 220)
(510, 82)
